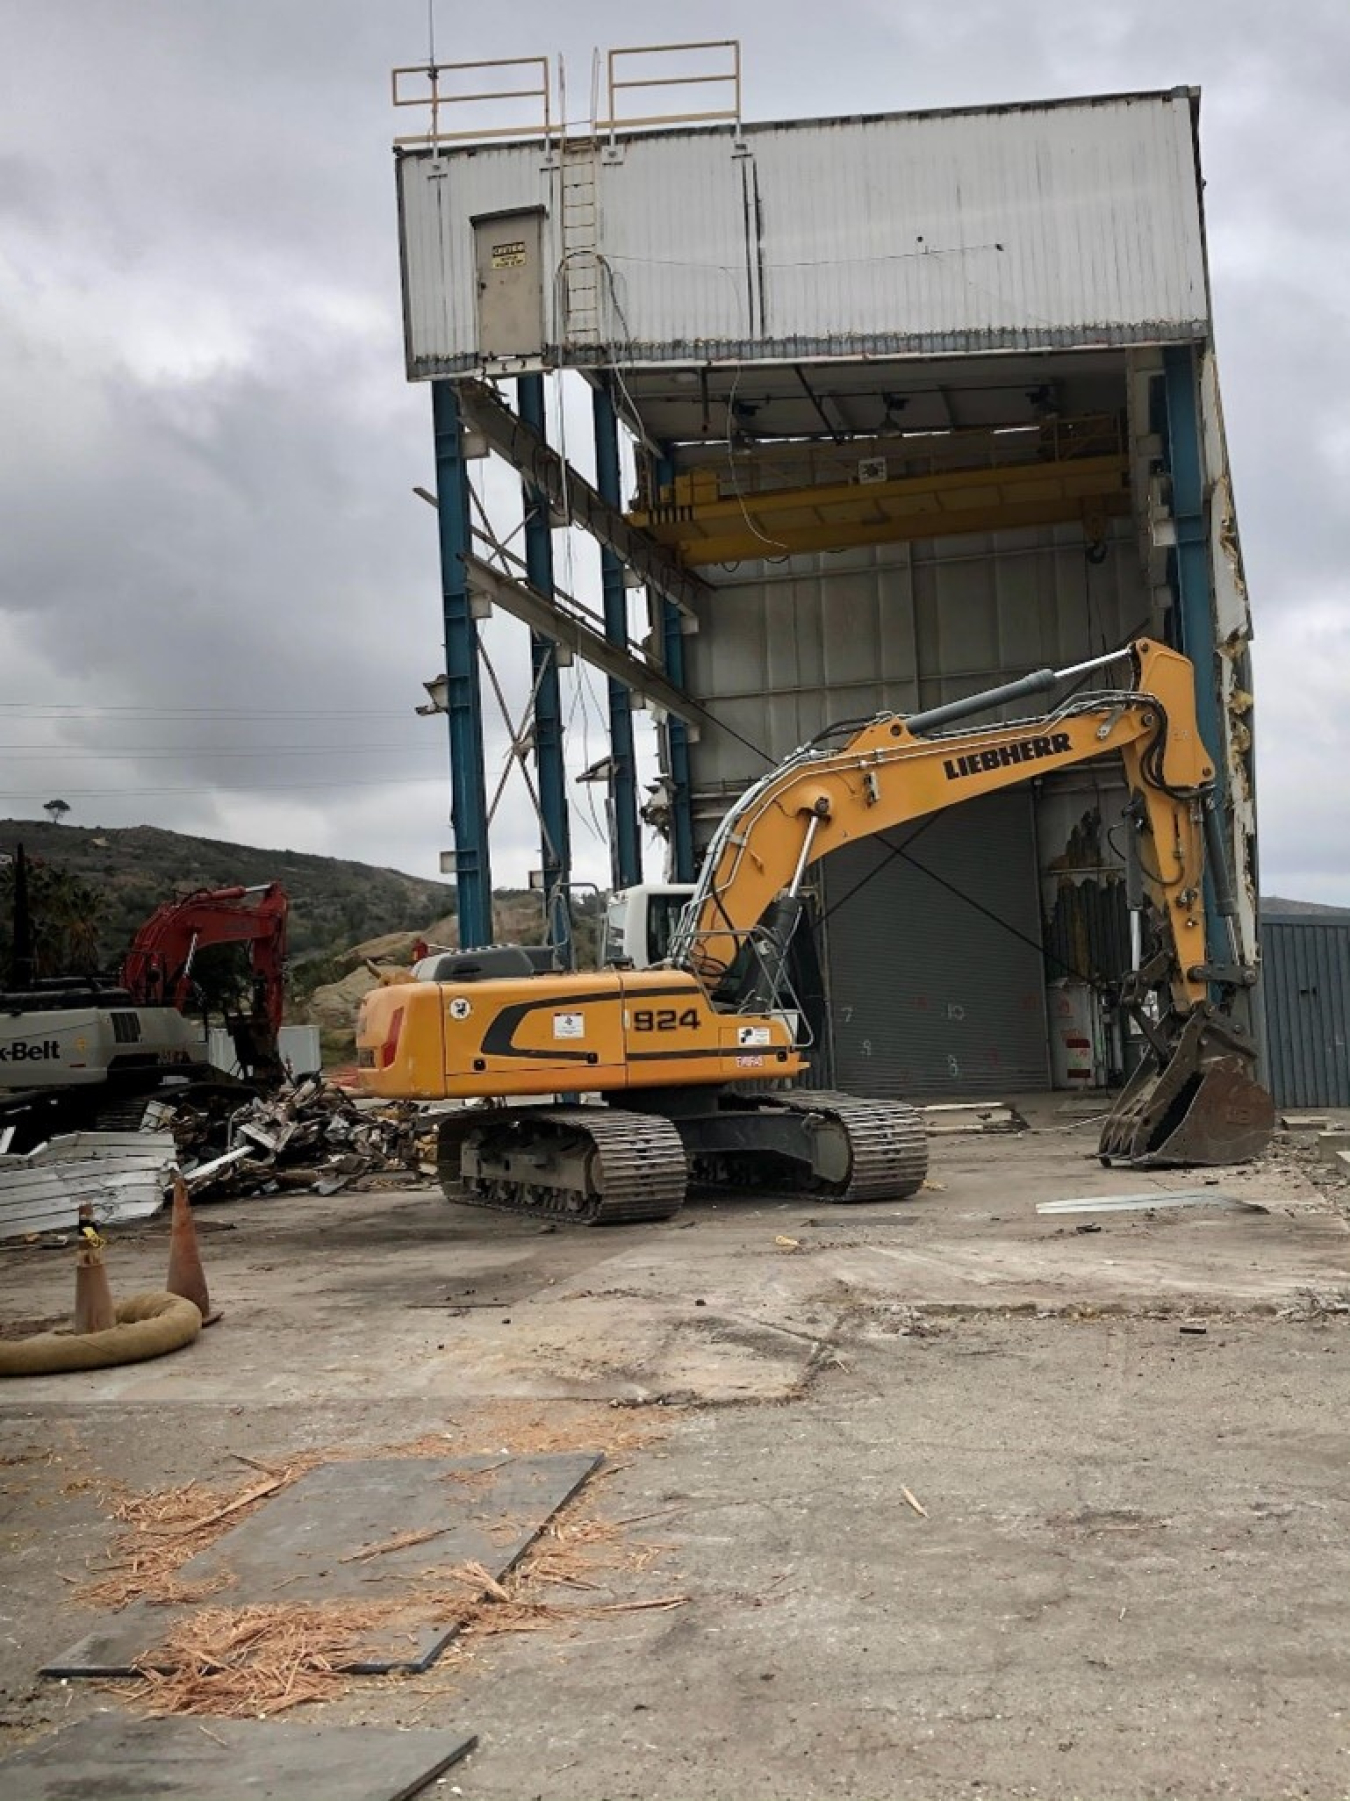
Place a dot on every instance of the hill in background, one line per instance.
(334, 903)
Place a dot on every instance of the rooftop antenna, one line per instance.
(434, 78)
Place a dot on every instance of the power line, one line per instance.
(62, 710)
(390, 781)
(63, 754)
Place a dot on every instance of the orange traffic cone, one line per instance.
(94, 1310)
(186, 1275)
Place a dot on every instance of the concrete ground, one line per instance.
(1128, 1579)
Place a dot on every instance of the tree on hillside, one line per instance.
(66, 916)
(57, 809)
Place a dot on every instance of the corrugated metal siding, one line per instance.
(676, 234)
(982, 228)
(930, 996)
(1305, 982)
(1040, 227)
(782, 652)
(438, 200)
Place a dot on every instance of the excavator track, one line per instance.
(591, 1166)
(815, 1142)
(886, 1138)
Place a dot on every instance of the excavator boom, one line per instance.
(158, 966)
(1194, 1099)
(889, 771)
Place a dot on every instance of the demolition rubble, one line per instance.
(304, 1135)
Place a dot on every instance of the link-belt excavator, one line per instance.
(88, 1052)
(685, 1058)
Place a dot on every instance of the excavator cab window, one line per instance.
(663, 914)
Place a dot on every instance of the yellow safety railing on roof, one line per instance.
(439, 94)
(619, 82)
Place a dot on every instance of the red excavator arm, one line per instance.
(158, 967)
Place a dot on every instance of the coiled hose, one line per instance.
(148, 1325)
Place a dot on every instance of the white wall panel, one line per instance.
(1065, 224)
(784, 650)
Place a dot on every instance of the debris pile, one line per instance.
(306, 1134)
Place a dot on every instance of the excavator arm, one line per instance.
(158, 967)
(891, 771)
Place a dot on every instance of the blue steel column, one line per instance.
(625, 851)
(468, 798)
(555, 829)
(677, 735)
(1194, 587)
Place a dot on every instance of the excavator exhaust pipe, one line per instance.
(1198, 1104)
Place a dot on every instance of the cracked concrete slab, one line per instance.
(1126, 1581)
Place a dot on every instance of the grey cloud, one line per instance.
(208, 502)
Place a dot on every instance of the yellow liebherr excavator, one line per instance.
(680, 1054)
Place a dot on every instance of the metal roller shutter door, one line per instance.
(929, 996)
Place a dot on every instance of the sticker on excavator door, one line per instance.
(569, 1025)
(752, 1035)
(460, 1008)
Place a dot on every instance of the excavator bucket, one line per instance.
(1200, 1104)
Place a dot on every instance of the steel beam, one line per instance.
(555, 828)
(464, 705)
(625, 849)
(677, 738)
(571, 496)
(525, 602)
(1194, 585)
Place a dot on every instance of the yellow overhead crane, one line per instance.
(890, 490)
(680, 1054)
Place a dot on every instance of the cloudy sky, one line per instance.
(218, 595)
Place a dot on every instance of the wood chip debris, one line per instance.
(257, 1493)
(917, 1505)
(257, 1661)
(250, 1662)
(401, 1541)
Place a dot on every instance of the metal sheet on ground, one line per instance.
(306, 1545)
(1151, 1202)
(120, 1759)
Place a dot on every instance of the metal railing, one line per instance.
(618, 83)
(439, 95)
